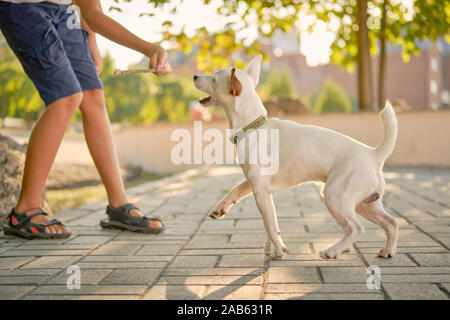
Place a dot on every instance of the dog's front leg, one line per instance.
(264, 202)
(237, 193)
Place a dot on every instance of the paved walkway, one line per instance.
(199, 258)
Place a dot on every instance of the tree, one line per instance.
(332, 98)
(18, 96)
(354, 37)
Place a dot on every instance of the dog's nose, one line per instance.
(195, 77)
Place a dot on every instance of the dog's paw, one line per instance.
(280, 254)
(328, 254)
(383, 253)
(218, 213)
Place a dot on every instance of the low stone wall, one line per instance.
(424, 138)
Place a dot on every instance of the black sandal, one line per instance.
(120, 218)
(20, 225)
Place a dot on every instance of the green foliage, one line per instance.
(428, 19)
(276, 83)
(18, 97)
(144, 98)
(331, 98)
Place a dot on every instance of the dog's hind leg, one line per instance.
(240, 191)
(375, 213)
(344, 213)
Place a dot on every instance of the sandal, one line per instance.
(20, 225)
(120, 218)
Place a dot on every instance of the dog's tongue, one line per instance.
(205, 100)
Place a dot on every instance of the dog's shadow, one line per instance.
(174, 290)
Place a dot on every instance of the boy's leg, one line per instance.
(41, 152)
(99, 139)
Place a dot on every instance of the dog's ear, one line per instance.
(236, 86)
(253, 68)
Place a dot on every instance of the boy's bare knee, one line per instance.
(93, 100)
(68, 104)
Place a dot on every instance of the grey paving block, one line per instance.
(132, 276)
(52, 262)
(13, 262)
(176, 292)
(23, 280)
(121, 264)
(324, 296)
(414, 291)
(117, 250)
(87, 276)
(12, 292)
(159, 249)
(212, 280)
(213, 271)
(292, 275)
(194, 261)
(82, 297)
(242, 260)
(432, 259)
(91, 290)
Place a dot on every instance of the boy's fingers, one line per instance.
(161, 61)
(153, 62)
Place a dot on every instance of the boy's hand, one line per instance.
(158, 59)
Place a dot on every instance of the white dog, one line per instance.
(352, 171)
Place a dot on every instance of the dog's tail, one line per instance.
(385, 148)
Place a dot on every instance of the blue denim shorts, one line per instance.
(54, 54)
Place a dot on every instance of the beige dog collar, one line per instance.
(239, 135)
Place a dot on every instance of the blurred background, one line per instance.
(329, 63)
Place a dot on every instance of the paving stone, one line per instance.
(292, 275)
(400, 260)
(87, 276)
(229, 251)
(344, 274)
(117, 249)
(160, 249)
(194, 261)
(100, 258)
(10, 263)
(82, 297)
(212, 280)
(121, 264)
(28, 272)
(175, 292)
(212, 271)
(199, 258)
(51, 262)
(35, 253)
(90, 289)
(12, 292)
(23, 280)
(318, 288)
(414, 291)
(243, 260)
(231, 292)
(132, 276)
(433, 259)
(324, 296)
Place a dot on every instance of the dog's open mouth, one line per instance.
(205, 100)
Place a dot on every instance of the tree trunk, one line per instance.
(382, 66)
(364, 66)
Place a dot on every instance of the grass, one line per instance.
(65, 199)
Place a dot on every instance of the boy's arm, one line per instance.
(92, 12)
